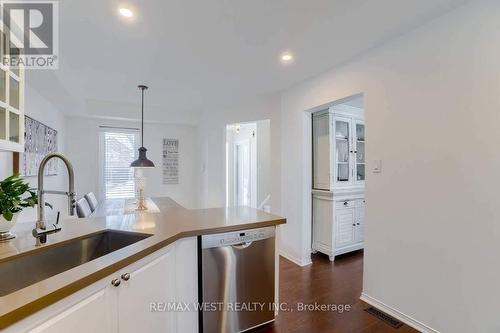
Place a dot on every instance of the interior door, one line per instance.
(242, 173)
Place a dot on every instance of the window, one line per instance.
(118, 149)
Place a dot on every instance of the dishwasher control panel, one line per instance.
(236, 237)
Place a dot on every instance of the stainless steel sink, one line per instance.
(27, 269)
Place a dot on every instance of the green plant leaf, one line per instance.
(15, 195)
(8, 215)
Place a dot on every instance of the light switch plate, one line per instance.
(377, 166)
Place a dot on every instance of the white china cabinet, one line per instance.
(338, 180)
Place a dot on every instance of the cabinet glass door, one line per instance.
(3, 86)
(342, 153)
(360, 152)
(13, 127)
(14, 93)
(3, 124)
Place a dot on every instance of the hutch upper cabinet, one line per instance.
(11, 103)
(338, 150)
(338, 200)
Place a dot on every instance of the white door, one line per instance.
(242, 173)
(345, 226)
(150, 283)
(95, 313)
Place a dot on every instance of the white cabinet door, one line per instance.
(343, 151)
(186, 283)
(360, 219)
(345, 226)
(359, 152)
(95, 313)
(321, 151)
(150, 284)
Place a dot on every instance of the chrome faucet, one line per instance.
(41, 229)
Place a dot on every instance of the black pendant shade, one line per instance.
(142, 161)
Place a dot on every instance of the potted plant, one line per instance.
(15, 195)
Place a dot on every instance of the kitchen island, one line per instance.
(115, 291)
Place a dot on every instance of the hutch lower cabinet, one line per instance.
(337, 223)
(338, 200)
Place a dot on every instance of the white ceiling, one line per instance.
(196, 55)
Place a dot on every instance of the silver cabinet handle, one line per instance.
(125, 276)
(115, 282)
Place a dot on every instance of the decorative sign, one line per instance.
(39, 140)
(170, 161)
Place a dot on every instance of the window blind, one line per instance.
(119, 149)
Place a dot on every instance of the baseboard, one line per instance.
(294, 259)
(397, 314)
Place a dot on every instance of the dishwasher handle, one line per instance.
(241, 246)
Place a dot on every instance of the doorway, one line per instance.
(338, 177)
(248, 164)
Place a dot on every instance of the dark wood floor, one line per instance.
(329, 283)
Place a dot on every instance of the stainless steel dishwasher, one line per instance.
(236, 284)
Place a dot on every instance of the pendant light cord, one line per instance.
(142, 119)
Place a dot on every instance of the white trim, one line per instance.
(294, 259)
(306, 218)
(397, 314)
(258, 325)
(350, 248)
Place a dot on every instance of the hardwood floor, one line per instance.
(328, 283)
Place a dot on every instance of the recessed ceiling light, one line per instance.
(286, 57)
(126, 12)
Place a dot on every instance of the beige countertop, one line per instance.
(122, 206)
(173, 222)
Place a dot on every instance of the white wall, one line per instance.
(432, 107)
(212, 131)
(39, 108)
(83, 150)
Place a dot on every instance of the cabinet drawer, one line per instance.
(360, 202)
(345, 204)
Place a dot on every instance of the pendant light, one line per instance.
(142, 161)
